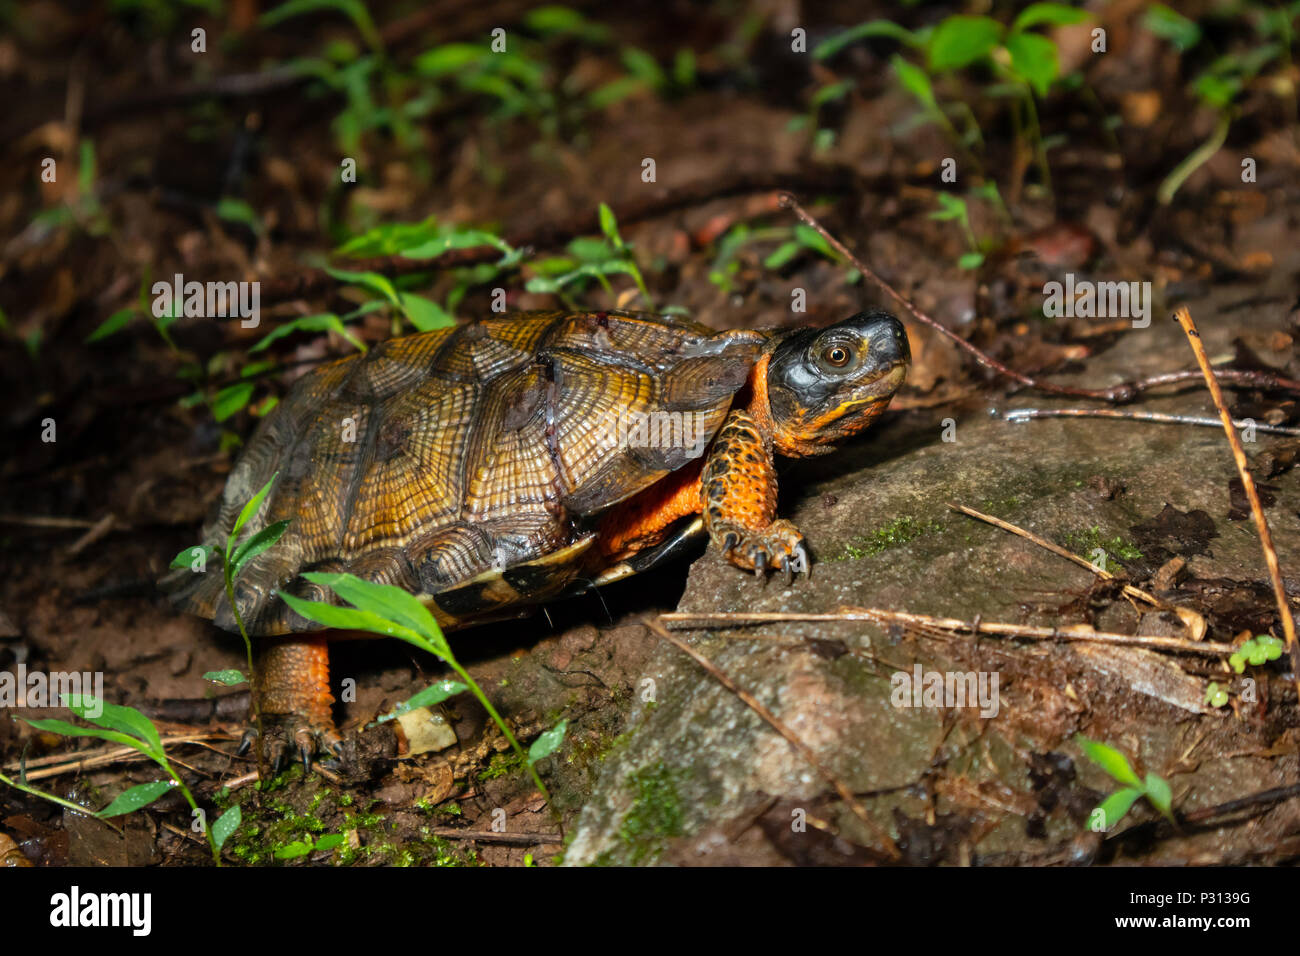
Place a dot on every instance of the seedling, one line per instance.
(1113, 808)
(392, 612)
(130, 728)
(1256, 651)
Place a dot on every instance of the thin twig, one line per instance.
(488, 836)
(58, 764)
(1123, 392)
(890, 848)
(1184, 318)
(1196, 625)
(1025, 414)
(687, 621)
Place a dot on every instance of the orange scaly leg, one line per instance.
(294, 699)
(738, 490)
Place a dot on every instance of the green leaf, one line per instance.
(915, 81)
(830, 93)
(52, 725)
(1054, 13)
(329, 841)
(114, 323)
(1117, 804)
(425, 314)
(126, 720)
(961, 40)
(863, 31)
(783, 254)
(251, 507)
(1109, 759)
(391, 237)
(351, 619)
(256, 544)
(434, 694)
(450, 58)
(951, 207)
(1172, 26)
(370, 280)
(186, 558)
(226, 825)
(1034, 59)
(644, 67)
(325, 322)
(609, 226)
(971, 260)
(228, 678)
(294, 850)
(1215, 695)
(547, 743)
(1160, 796)
(461, 239)
(131, 800)
(1271, 646)
(810, 238)
(385, 600)
(231, 399)
(1238, 661)
(236, 210)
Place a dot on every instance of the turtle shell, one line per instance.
(463, 465)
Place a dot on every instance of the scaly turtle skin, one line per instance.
(495, 466)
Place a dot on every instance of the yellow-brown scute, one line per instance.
(437, 458)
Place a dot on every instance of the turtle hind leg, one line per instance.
(738, 491)
(294, 700)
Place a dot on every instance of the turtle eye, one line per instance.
(837, 356)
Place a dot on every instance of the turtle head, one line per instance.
(824, 385)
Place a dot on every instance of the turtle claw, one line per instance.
(778, 547)
(291, 738)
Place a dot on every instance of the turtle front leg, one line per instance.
(292, 694)
(738, 488)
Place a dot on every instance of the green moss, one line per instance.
(1088, 541)
(501, 765)
(897, 533)
(655, 817)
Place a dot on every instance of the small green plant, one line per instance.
(954, 209)
(1221, 84)
(1216, 695)
(392, 612)
(589, 259)
(234, 557)
(130, 728)
(1257, 651)
(1113, 808)
(308, 845)
(1024, 66)
(791, 244)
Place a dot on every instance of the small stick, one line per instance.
(1184, 318)
(58, 764)
(686, 621)
(1025, 414)
(487, 836)
(1129, 590)
(859, 811)
(1123, 392)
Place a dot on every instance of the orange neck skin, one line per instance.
(759, 406)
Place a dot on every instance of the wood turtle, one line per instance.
(497, 465)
